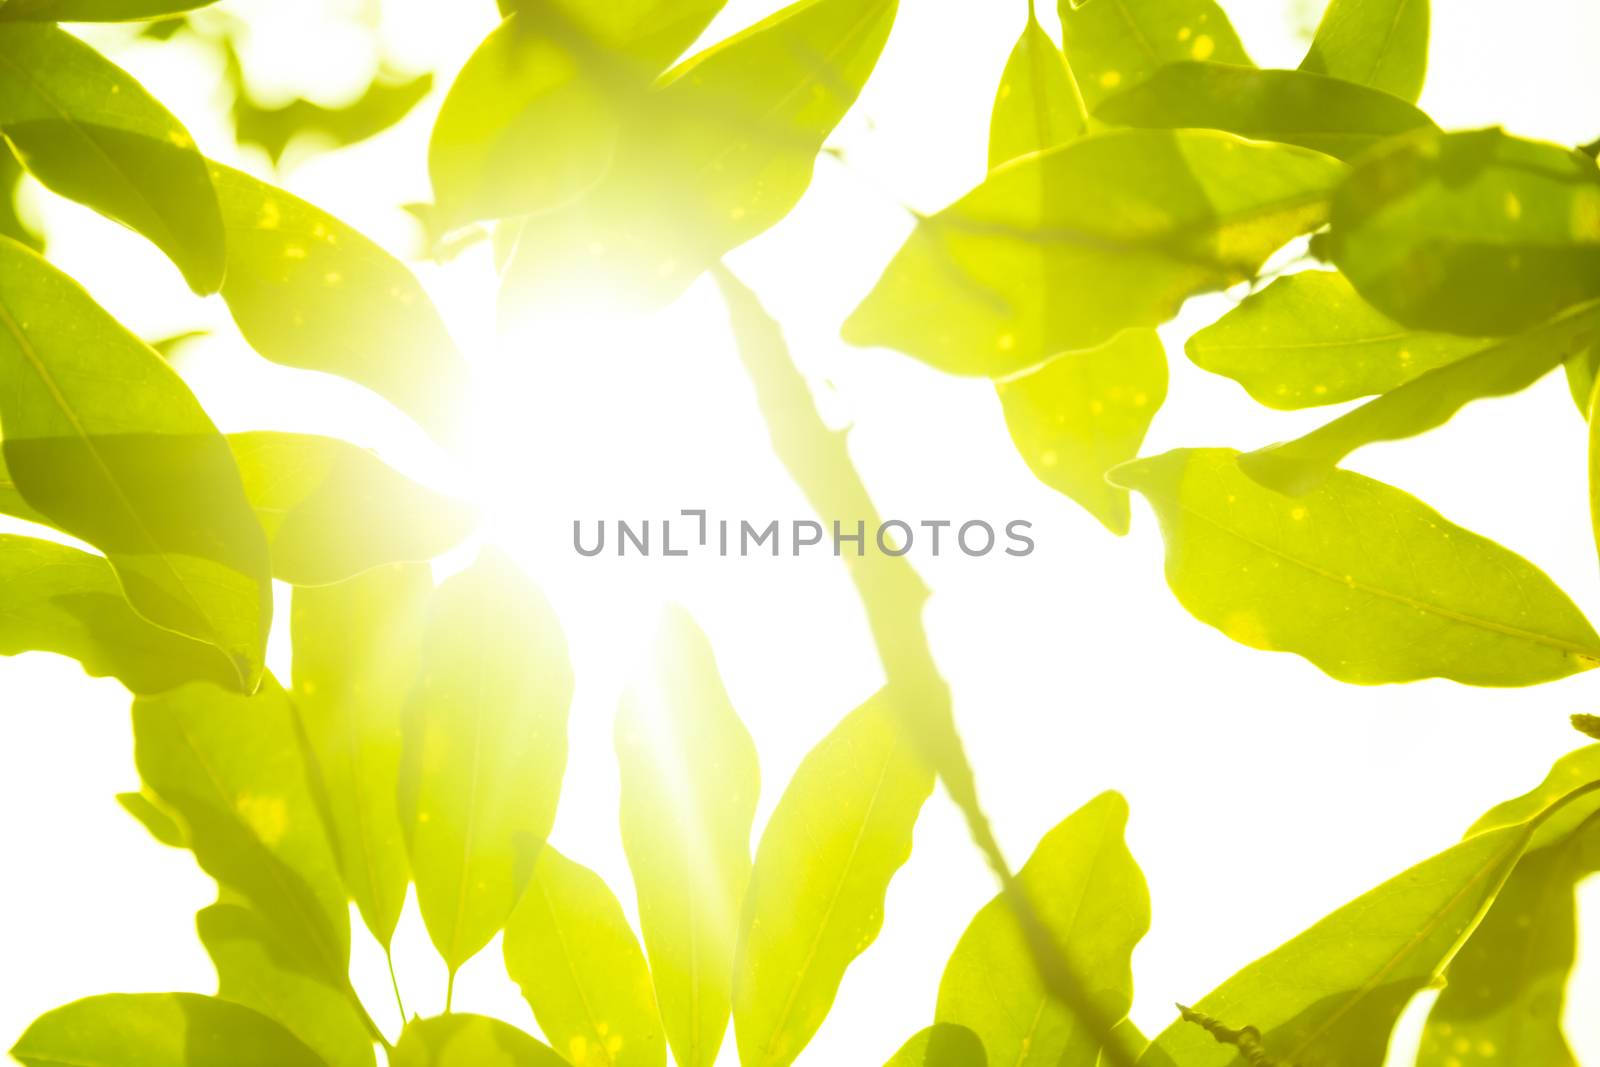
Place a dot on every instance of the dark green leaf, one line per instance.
(273, 129)
(1063, 250)
(941, 1045)
(1331, 116)
(1038, 105)
(485, 749)
(159, 1030)
(816, 896)
(1116, 44)
(163, 826)
(90, 132)
(1092, 897)
(1365, 581)
(107, 442)
(1309, 339)
(1381, 43)
(95, 10)
(469, 1041)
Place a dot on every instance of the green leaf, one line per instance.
(159, 1030)
(1116, 44)
(651, 33)
(1424, 403)
(1309, 339)
(1474, 233)
(815, 902)
(90, 132)
(1381, 43)
(689, 781)
(12, 223)
(941, 1045)
(162, 825)
(1061, 251)
(354, 645)
(273, 129)
(1363, 580)
(95, 10)
(243, 948)
(569, 947)
(332, 511)
(1580, 371)
(1335, 117)
(1085, 412)
(469, 1041)
(58, 599)
(103, 439)
(1038, 105)
(234, 770)
(308, 291)
(1092, 897)
(1563, 802)
(485, 749)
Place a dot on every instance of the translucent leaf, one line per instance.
(1331, 116)
(1061, 251)
(651, 32)
(570, 949)
(1381, 43)
(356, 645)
(147, 809)
(815, 903)
(1085, 412)
(1091, 896)
(161, 1030)
(1475, 233)
(1365, 581)
(1115, 44)
(941, 1045)
(1309, 339)
(95, 10)
(12, 224)
(469, 1041)
(1038, 105)
(103, 439)
(273, 129)
(689, 786)
(90, 132)
(308, 291)
(485, 749)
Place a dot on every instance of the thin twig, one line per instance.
(1246, 1040)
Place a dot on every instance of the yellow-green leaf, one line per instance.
(1381, 43)
(1038, 105)
(1365, 581)
(1116, 44)
(159, 1030)
(941, 1045)
(652, 33)
(569, 947)
(469, 1041)
(162, 825)
(815, 903)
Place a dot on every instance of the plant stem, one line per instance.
(893, 595)
(450, 991)
(394, 983)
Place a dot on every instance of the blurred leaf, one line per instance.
(469, 1041)
(109, 444)
(1038, 105)
(355, 647)
(88, 131)
(816, 896)
(169, 345)
(147, 809)
(273, 129)
(234, 770)
(12, 224)
(308, 291)
(1116, 44)
(569, 947)
(159, 1030)
(332, 511)
(1085, 412)
(485, 749)
(1381, 43)
(243, 948)
(1365, 581)
(1581, 377)
(1061, 251)
(1331, 116)
(58, 599)
(95, 10)
(1424, 403)
(941, 1045)
(689, 781)
(653, 31)
(1092, 897)
(1476, 233)
(1309, 339)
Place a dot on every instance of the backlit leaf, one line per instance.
(1116, 44)
(1309, 339)
(1092, 897)
(273, 129)
(1331, 116)
(95, 10)
(469, 1041)
(1474, 233)
(103, 439)
(941, 1045)
(569, 947)
(1038, 105)
(356, 645)
(1085, 412)
(90, 132)
(1061, 251)
(816, 896)
(159, 1030)
(12, 223)
(147, 809)
(485, 749)
(652, 32)
(1365, 581)
(1381, 43)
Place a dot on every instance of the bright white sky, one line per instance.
(1074, 669)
